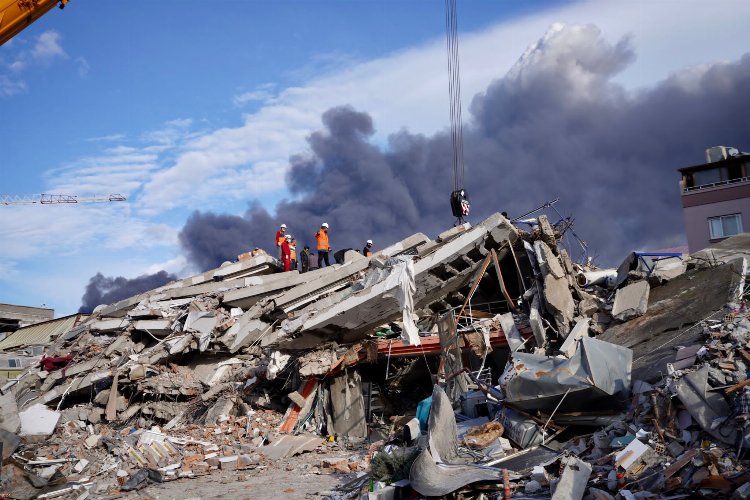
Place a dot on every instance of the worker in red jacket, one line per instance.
(286, 253)
(280, 236)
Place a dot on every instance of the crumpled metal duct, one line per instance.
(442, 468)
(597, 370)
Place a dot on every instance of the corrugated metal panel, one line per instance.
(41, 333)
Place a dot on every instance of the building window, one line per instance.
(13, 363)
(725, 226)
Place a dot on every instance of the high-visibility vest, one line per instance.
(293, 250)
(322, 238)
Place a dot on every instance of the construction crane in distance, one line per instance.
(56, 199)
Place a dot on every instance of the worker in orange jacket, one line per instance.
(286, 254)
(323, 246)
(280, 236)
(293, 251)
(367, 250)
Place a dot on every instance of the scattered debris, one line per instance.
(485, 360)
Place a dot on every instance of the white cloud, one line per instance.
(48, 47)
(45, 49)
(11, 86)
(107, 138)
(259, 94)
(83, 67)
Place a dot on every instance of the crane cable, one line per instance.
(454, 90)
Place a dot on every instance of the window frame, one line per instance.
(720, 219)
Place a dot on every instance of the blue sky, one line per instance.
(185, 105)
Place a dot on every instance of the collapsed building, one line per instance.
(505, 352)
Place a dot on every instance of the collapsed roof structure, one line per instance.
(517, 334)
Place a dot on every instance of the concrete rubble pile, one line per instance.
(484, 363)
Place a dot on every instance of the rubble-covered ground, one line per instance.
(482, 364)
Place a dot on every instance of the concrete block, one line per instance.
(631, 301)
(228, 463)
(573, 481)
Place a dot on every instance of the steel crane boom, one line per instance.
(56, 199)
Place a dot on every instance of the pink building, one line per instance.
(716, 197)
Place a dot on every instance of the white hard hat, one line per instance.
(369, 242)
(325, 225)
(283, 226)
(289, 237)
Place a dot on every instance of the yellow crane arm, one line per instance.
(17, 15)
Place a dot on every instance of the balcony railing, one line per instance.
(716, 184)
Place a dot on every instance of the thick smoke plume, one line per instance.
(557, 125)
(106, 290)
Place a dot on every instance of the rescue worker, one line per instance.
(293, 251)
(286, 254)
(305, 259)
(280, 235)
(367, 250)
(323, 246)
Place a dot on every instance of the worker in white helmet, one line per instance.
(280, 237)
(323, 246)
(367, 250)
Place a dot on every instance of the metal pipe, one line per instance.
(605, 277)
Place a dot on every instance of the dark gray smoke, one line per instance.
(557, 125)
(107, 290)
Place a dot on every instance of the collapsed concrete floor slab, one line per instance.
(241, 364)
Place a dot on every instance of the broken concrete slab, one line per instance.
(261, 264)
(9, 419)
(287, 445)
(319, 285)
(446, 268)
(157, 327)
(559, 302)
(249, 295)
(673, 310)
(108, 325)
(706, 406)
(348, 405)
(568, 348)
(38, 420)
(631, 301)
(9, 443)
